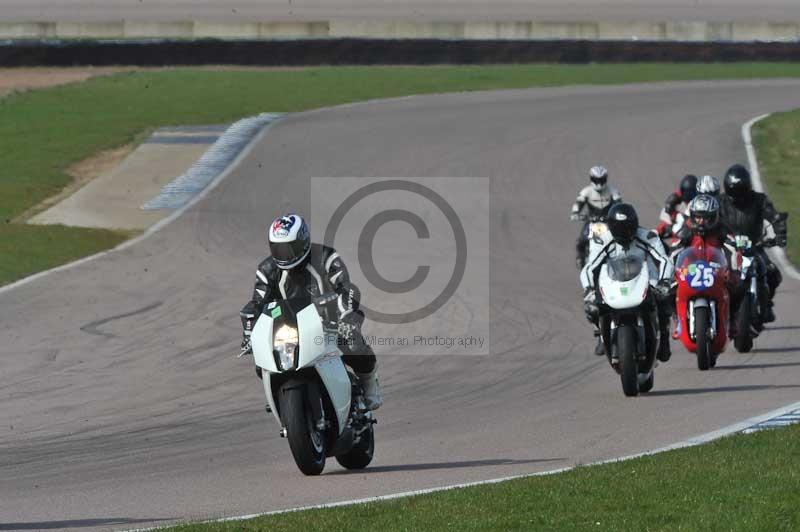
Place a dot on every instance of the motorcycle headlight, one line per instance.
(285, 344)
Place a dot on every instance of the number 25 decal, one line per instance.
(703, 277)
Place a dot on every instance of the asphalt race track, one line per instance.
(123, 404)
(315, 10)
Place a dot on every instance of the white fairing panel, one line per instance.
(623, 295)
(312, 338)
(261, 340)
(336, 380)
(271, 400)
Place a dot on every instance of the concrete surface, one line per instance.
(123, 403)
(418, 10)
(114, 199)
(472, 19)
(602, 29)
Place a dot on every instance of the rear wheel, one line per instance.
(626, 351)
(361, 454)
(306, 441)
(743, 341)
(701, 338)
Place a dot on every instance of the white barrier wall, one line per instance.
(592, 30)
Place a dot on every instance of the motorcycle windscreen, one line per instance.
(710, 255)
(624, 285)
(624, 269)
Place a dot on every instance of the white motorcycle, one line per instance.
(629, 322)
(315, 398)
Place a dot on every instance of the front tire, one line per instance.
(703, 342)
(362, 452)
(743, 341)
(626, 351)
(305, 440)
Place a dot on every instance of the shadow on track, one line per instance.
(722, 389)
(445, 465)
(760, 366)
(783, 328)
(792, 349)
(79, 523)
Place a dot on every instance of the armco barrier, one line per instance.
(381, 51)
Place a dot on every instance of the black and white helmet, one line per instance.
(598, 175)
(623, 223)
(704, 213)
(289, 241)
(709, 185)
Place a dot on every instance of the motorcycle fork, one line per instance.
(712, 320)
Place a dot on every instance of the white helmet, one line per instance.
(598, 175)
(708, 184)
(289, 241)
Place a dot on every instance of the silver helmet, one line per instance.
(598, 175)
(708, 184)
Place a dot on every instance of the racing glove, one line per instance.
(590, 305)
(662, 289)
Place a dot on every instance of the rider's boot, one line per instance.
(664, 351)
(600, 348)
(676, 331)
(372, 390)
(769, 313)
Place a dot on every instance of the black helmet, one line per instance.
(598, 175)
(738, 184)
(688, 187)
(289, 241)
(623, 222)
(704, 212)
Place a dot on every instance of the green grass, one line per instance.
(43, 132)
(777, 143)
(744, 482)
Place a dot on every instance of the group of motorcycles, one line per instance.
(716, 298)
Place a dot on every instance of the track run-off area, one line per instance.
(124, 405)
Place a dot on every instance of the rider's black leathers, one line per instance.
(323, 272)
(747, 218)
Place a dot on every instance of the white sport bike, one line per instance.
(315, 398)
(629, 322)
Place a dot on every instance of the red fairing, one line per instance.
(695, 282)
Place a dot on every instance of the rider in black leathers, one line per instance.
(745, 212)
(297, 266)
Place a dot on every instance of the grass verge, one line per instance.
(43, 132)
(777, 143)
(743, 482)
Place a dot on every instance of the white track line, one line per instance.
(691, 442)
(777, 253)
(158, 226)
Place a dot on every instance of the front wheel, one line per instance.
(743, 341)
(626, 351)
(306, 441)
(361, 454)
(702, 340)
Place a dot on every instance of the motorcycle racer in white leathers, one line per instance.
(592, 204)
(626, 238)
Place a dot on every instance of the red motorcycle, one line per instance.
(702, 300)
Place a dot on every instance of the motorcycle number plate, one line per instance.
(700, 275)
